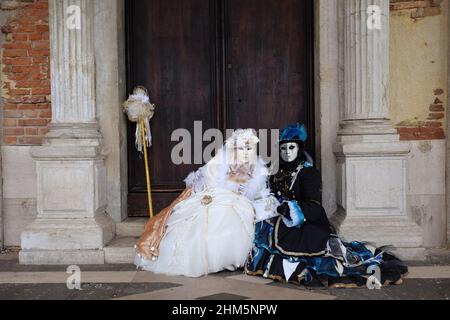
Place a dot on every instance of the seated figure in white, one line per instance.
(210, 226)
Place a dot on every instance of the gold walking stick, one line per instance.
(140, 110)
(147, 171)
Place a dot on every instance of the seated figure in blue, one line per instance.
(299, 245)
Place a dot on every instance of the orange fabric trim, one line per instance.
(155, 229)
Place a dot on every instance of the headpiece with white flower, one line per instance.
(241, 138)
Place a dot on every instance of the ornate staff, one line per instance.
(140, 110)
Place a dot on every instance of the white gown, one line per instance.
(213, 229)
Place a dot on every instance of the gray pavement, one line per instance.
(103, 282)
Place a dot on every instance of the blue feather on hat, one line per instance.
(294, 132)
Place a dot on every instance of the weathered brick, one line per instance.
(41, 91)
(418, 8)
(38, 106)
(403, 5)
(436, 116)
(39, 76)
(438, 92)
(25, 29)
(10, 141)
(29, 84)
(33, 122)
(8, 28)
(31, 140)
(19, 92)
(432, 11)
(12, 114)
(13, 131)
(42, 28)
(20, 37)
(421, 133)
(9, 122)
(28, 99)
(433, 124)
(18, 61)
(37, 60)
(30, 113)
(25, 69)
(41, 45)
(43, 131)
(31, 131)
(10, 106)
(17, 45)
(41, 5)
(37, 53)
(35, 36)
(436, 108)
(15, 53)
(45, 113)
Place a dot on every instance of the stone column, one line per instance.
(371, 158)
(72, 226)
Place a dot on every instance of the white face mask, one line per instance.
(289, 151)
(246, 155)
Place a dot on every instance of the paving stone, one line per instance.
(252, 279)
(137, 288)
(223, 296)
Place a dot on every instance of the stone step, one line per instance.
(398, 231)
(131, 227)
(120, 250)
(380, 220)
(439, 255)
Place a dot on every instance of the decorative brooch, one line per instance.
(206, 200)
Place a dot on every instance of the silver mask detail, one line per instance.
(289, 151)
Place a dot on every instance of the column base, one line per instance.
(371, 175)
(400, 232)
(371, 168)
(66, 241)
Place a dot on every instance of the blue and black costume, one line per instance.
(300, 245)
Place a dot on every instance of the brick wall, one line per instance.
(430, 129)
(25, 73)
(420, 8)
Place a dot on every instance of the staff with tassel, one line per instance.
(140, 110)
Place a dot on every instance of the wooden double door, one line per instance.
(227, 63)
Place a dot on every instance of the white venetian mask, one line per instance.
(246, 154)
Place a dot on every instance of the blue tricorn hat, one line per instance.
(294, 133)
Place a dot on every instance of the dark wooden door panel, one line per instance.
(267, 62)
(228, 63)
(170, 53)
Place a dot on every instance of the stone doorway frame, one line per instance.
(111, 92)
(110, 45)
